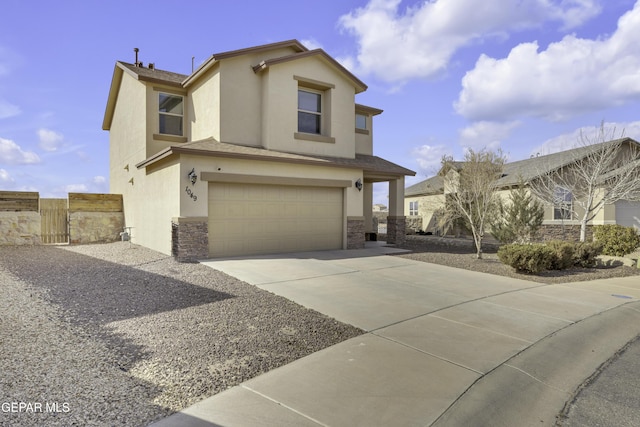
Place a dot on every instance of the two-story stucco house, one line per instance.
(259, 150)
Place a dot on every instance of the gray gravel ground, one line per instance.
(117, 334)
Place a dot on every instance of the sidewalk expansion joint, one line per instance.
(283, 405)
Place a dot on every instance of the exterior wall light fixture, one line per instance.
(193, 177)
(359, 184)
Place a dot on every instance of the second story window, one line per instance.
(309, 112)
(361, 122)
(171, 114)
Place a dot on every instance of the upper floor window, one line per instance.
(413, 208)
(309, 112)
(562, 204)
(171, 114)
(361, 122)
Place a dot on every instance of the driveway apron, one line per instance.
(443, 346)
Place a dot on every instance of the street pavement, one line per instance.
(443, 346)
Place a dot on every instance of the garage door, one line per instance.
(628, 214)
(246, 219)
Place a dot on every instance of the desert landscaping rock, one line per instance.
(117, 334)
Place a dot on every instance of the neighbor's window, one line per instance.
(413, 208)
(309, 112)
(171, 114)
(563, 204)
(361, 121)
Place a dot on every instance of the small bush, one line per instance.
(616, 240)
(586, 254)
(530, 259)
(563, 254)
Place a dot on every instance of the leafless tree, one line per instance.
(471, 191)
(601, 172)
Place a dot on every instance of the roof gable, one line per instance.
(295, 45)
(358, 84)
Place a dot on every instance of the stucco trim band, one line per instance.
(273, 180)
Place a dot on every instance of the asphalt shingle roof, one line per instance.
(513, 172)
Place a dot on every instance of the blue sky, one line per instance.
(525, 76)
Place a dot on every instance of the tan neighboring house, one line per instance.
(423, 199)
(259, 150)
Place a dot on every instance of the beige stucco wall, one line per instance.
(20, 228)
(280, 106)
(427, 205)
(204, 105)
(128, 135)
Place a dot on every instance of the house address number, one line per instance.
(190, 193)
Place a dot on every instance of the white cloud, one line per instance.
(485, 134)
(50, 140)
(99, 180)
(571, 76)
(8, 110)
(11, 153)
(420, 41)
(76, 188)
(587, 134)
(429, 158)
(5, 178)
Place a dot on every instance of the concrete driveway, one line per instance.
(443, 346)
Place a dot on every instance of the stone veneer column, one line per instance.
(190, 238)
(396, 229)
(355, 232)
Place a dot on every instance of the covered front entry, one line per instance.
(249, 219)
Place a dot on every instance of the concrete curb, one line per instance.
(532, 387)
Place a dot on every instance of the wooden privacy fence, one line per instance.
(25, 218)
(19, 201)
(54, 221)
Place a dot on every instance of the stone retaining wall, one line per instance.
(95, 227)
(20, 228)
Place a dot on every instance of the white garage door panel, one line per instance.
(249, 219)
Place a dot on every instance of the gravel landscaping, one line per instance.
(461, 253)
(117, 334)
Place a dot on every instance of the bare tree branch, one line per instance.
(601, 173)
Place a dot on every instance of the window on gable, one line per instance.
(361, 122)
(309, 112)
(562, 204)
(171, 113)
(413, 208)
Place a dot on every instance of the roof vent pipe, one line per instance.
(136, 50)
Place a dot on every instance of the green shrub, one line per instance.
(530, 259)
(616, 240)
(586, 254)
(563, 254)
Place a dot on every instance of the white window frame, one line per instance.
(413, 208)
(319, 114)
(170, 114)
(562, 204)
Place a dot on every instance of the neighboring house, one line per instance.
(423, 199)
(259, 150)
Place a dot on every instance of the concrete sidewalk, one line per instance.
(444, 346)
